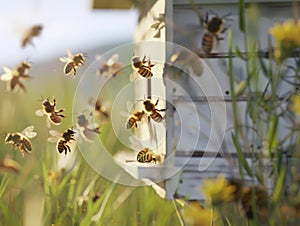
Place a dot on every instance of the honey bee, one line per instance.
(83, 125)
(53, 115)
(32, 32)
(159, 25)
(142, 67)
(214, 28)
(14, 77)
(148, 156)
(72, 62)
(186, 62)
(99, 109)
(153, 111)
(111, 67)
(63, 140)
(21, 140)
(135, 117)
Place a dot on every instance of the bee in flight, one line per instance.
(14, 77)
(32, 32)
(148, 156)
(153, 111)
(84, 126)
(135, 117)
(111, 67)
(141, 66)
(21, 140)
(184, 62)
(63, 140)
(99, 110)
(53, 115)
(214, 28)
(72, 62)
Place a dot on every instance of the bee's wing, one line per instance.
(134, 76)
(28, 129)
(70, 55)
(28, 132)
(114, 58)
(39, 112)
(55, 136)
(64, 59)
(7, 75)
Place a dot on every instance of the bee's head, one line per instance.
(136, 61)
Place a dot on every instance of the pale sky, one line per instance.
(71, 24)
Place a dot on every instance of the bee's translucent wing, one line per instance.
(7, 75)
(114, 58)
(52, 139)
(93, 125)
(28, 132)
(55, 136)
(48, 123)
(54, 133)
(70, 55)
(134, 76)
(39, 112)
(64, 59)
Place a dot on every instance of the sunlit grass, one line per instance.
(71, 196)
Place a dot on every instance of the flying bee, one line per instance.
(148, 156)
(142, 67)
(53, 115)
(84, 126)
(159, 25)
(185, 62)
(153, 111)
(32, 32)
(135, 117)
(21, 140)
(72, 62)
(214, 28)
(99, 110)
(14, 77)
(22, 68)
(111, 67)
(144, 154)
(63, 140)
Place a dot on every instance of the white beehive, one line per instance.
(196, 141)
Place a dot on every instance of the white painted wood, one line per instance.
(197, 107)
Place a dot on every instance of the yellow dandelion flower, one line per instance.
(288, 33)
(295, 104)
(217, 190)
(196, 215)
(286, 36)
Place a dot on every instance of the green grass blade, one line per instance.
(241, 157)
(272, 133)
(279, 185)
(242, 15)
(3, 185)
